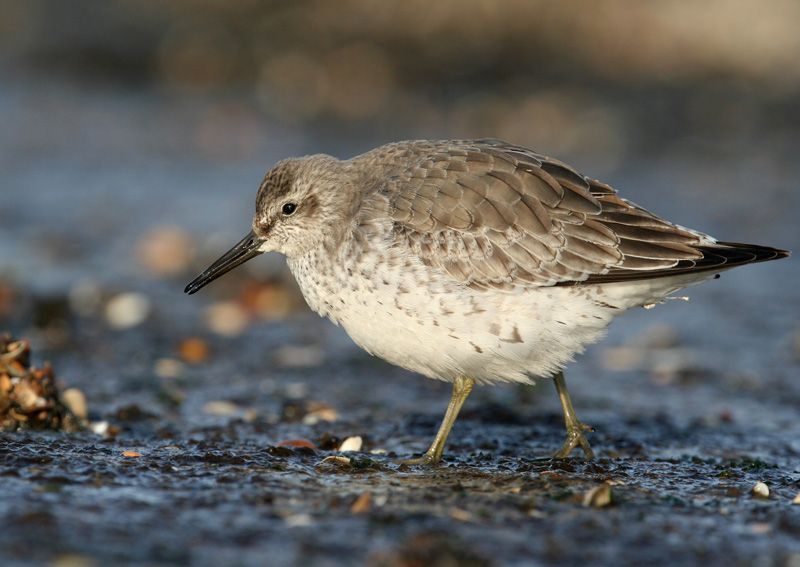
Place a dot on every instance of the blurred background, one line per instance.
(135, 133)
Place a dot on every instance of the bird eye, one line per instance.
(288, 208)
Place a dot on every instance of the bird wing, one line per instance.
(495, 215)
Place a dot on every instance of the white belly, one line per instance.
(400, 311)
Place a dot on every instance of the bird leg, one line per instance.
(462, 386)
(575, 428)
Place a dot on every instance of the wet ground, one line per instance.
(692, 403)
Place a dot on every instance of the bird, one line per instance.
(475, 262)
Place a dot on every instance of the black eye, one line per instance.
(288, 208)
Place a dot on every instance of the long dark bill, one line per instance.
(246, 249)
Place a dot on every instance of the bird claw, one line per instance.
(576, 438)
(427, 460)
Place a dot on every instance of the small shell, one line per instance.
(351, 444)
(599, 496)
(760, 490)
(362, 504)
(335, 460)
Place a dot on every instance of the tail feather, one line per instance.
(716, 257)
(732, 254)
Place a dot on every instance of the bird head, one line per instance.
(301, 204)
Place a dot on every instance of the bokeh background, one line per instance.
(135, 133)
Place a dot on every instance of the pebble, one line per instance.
(335, 460)
(269, 301)
(227, 318)
(221, 408)
(760, 490)
(599, 496)
(351, 444)
(318, 411)
(27, 397)
(75, 400)
(297, 443)
(127, 310)
(460, 515)
(165, 251)
(796, 499)
(168, 368)
(99, 427)
(362, 504)
(194, 350)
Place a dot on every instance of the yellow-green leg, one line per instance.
(462, 386)
(575, 428)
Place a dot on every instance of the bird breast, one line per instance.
(411, 315)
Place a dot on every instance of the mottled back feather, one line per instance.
(496, 215)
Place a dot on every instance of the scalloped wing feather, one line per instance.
(494, 215)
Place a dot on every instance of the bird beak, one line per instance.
(247, 248)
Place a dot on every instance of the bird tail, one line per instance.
(723, 255)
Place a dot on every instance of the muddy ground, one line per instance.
(692, 403)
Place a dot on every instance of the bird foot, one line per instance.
(575, 438)
(426, 460)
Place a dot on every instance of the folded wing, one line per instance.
(495, 215)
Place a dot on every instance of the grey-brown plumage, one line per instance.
(492, 214)
(472, 260)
